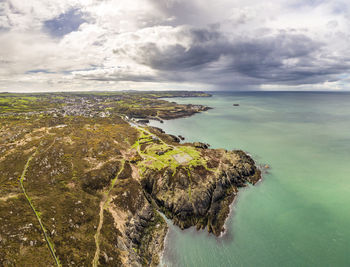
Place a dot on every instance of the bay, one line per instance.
(299, 215)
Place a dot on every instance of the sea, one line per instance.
(299, 214)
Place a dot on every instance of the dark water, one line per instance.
(299, 215)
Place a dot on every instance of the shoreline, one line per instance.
(226, 232)
(190, 183)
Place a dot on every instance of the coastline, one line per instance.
(228, 217)
(270, 222)
(285, 207)
(122, 175)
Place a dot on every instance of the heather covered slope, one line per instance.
(87, 190)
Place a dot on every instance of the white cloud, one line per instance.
(222, 43)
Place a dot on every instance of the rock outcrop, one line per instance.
(145, 235)
(190, 196)
(201, 196)
(98, 185)
(201, 145)
(142, 229)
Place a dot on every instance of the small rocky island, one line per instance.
(83, 183)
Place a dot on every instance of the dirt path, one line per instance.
(104, 205)
(47, 239)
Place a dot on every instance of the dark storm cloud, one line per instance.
(285, 58)
(206, 47)
(221, 44)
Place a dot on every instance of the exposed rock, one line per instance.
(156, 129)
(142, 229)
(145, 234)
(201, 198)
(201, 145)
(144, 121)
(190, 197)
(91, 178)
(181, 137)
(174, 138)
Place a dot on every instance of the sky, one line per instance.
(70, 45)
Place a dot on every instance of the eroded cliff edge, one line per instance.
(189, 183)
(201, 196)
(97, 185)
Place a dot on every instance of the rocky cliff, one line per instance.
(95, 188)
(200, 196)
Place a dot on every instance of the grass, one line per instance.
(154, 161)
(86, 152)
(23, 103)
(37, 213)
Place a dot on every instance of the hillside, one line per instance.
(83, 183)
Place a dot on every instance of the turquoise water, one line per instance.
(299, 215)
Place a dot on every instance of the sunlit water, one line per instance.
(299, 215)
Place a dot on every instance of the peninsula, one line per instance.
(83, 179)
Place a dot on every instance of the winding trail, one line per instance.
(37, 214)
(104, 205)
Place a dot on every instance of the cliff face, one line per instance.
(98, 185)
(200, 196)
(142, 240)
(189, 195)
(141, 229)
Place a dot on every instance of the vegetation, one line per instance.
(17, 103)
(65, 165)
(37, 213)
(132, 104)
(79, 177)
(158, 155)
(65, 181)
(103, 206)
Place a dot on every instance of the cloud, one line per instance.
(220, 45)
(169, 48)
(208, 56)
